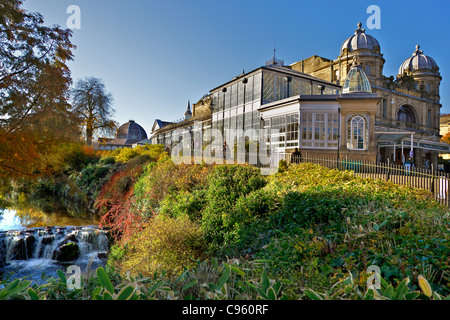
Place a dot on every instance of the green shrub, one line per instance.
(165, 179)
(184, 203)
(312, 207)
(226, 184)
(107, 160)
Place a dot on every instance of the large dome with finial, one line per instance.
(360, 40)
(131, 131)
(418, 62)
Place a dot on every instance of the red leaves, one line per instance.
(116, 198)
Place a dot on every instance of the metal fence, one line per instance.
(432, 180)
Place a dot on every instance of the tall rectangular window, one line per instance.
(292, 130)
(220, 126)
(248, 120)
(240, 121)
(221, 101)
(281, 87)
(307, 129)
(215, 102)
(257, 86)
(234, 95)
(384, 108)
(278, 131)
(206, 132)
(226, 125)
(294, 87)
(357, 133)
(249, 90)
(233, 123)
(228, 98)
(241, 93)
(268, 87)
(256, 121)
(319, 130)
(332, 129)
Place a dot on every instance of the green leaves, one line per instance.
(268, 290)
(224, 278)
(104, 280)
(14, 288)
(108, 292)
(313, 295)
(32, 294)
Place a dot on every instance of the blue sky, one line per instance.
(154, 56)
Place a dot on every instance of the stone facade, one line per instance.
(415, 89)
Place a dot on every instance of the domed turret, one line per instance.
(356, 81)
(360, 40)
(419, 63)
(131, 131)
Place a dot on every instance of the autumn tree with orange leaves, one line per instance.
(35, 115)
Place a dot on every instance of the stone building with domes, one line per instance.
(407, 117)
(331, 107)
(127, 135)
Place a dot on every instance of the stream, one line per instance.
(35, 244)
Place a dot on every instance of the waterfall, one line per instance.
(37, 252)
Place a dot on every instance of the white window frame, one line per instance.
(350, 130)
(314, 143)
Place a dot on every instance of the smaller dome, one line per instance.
(360, 40)
(131, 131)
(418, 61)
(356, 81)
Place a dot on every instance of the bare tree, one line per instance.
(94, 106)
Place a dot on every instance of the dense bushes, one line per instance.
(309, 224)
(226, 184)
(164, 179)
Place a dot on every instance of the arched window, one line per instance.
(358, 134)
(406, 114)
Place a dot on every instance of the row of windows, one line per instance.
(271, 86)
(318, 130)
(237, 94)
(277, 87)
(250, 120)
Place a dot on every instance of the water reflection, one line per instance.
(48, 212)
